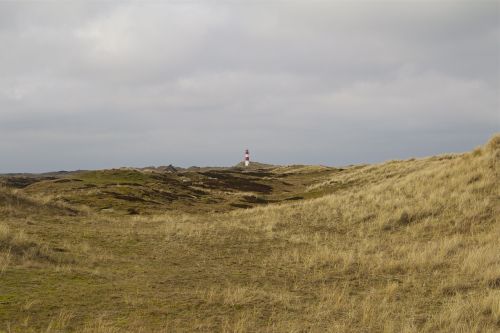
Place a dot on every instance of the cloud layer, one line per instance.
(107, 84)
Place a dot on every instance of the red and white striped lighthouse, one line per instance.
(247, 158)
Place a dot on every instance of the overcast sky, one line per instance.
(88, 85)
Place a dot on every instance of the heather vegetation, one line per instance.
(401, 246)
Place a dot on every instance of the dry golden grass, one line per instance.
(403, 246)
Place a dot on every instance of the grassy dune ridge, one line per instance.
(402, 246)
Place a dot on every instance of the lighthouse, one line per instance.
(247, 158)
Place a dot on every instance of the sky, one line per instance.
(102, 84)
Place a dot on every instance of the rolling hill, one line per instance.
(401, 246)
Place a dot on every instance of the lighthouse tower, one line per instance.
(247, 158)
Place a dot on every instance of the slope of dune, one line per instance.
(401, 246)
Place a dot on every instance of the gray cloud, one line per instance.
(103, 84)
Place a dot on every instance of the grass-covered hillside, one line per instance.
(403, 246)
(138, 192)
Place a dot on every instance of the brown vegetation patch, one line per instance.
(254, 199)
(227, 180)
(239, 205)
(68, 180)
(494, 283)
(294, 198)
(20, 182)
